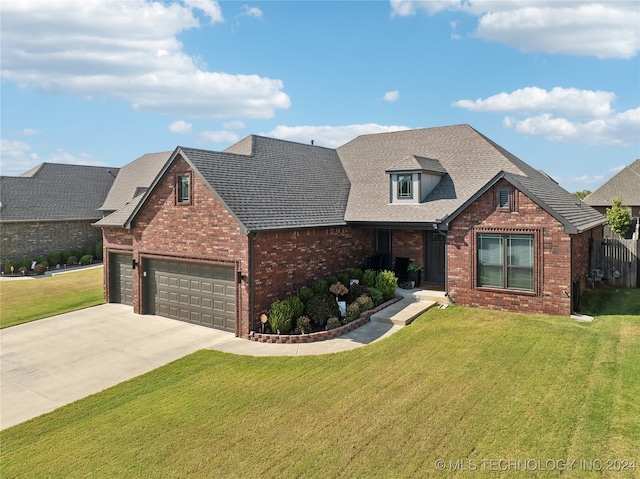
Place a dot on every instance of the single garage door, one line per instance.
(121, 279)
(194, 292)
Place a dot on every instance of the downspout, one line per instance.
(446, 257)
(253, 236)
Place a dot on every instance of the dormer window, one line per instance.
(405, 190)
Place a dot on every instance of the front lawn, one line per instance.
(22, 301)
(488, 394)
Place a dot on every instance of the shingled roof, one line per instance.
(625, 184)
(472, 163)
(55, 192)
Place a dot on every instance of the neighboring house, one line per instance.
(51, 207)
(625, 184)
(218, 236)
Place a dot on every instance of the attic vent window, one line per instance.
(404, 186)
(183, 189)
(503, 199)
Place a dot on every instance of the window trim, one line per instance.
(177, 182)
(505, 233)
(400, 180)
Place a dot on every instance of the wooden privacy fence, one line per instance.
(616, 260)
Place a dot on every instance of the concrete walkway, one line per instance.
(48, 363)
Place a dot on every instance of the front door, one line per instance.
(434, 261)
(383, 248)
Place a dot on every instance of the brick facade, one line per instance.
(553, 255)
(408, 244)
(32, 239)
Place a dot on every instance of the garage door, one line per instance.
(194, 292)
(121, 279)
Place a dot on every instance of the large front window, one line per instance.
(505, 261)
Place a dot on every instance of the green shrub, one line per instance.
(333, 323)
(86, 259)
(40, 268)
(73, 259)
(297, 306)
(64, 257)
(53, 258)
(320, 308)
(320, 287)
(7, 266)
(344, 279)
(376, 296)
(353, 312)
(369, 278)
(387, 283)
(365, 302)
(280, 317)
(99, 250)
(619, 217)
(24, 270)
(25, 263)
(305, 294)
(303, 325)
(331, 280)
(41, 259)
(89, 251)
(356, 273)
(355, 291)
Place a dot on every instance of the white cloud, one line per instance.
(563, 114)
(233, 125)
(127, 51)
(602, 29)
(30, 132)
(180, 126)
(221, 136)
(254, 12)
(329, 136)
(391, 96)
(560, 101)
(17, 157)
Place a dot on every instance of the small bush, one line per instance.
(303, 325)
(356, 273)
(333, 323)
(305, 294)
(86, 259)
(280, 317)
(53, 258)
(76, 253)
(369, 278)
(7, 266)
(64, 257)
(89, 251)
(344, 278)
(25, 263)
(387, 282)
(72, 260)
(40, 268)
(320, 287)
(98, 250)
(320, 308)
(332, 280)
(355, 291)
(376, 296)
(41, 259)
(338, 289)
(24, 270)
(353, 312)
(297, 306)
(365, 302)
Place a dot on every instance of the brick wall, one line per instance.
(581, 254)
(408, 244)
(29, 240)
(288, 260)
(552, 256)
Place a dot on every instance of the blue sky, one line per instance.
(555, 82)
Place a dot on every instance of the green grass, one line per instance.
(22, 301)
(458, 384)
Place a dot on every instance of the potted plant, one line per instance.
(414, 271)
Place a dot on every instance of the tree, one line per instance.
(582, 194)
(619, 217)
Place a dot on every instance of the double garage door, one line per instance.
(194, 292)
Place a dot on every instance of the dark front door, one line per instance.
(435, 251)
(383, 248)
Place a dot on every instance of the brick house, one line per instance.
(51, 208)
(218, 236)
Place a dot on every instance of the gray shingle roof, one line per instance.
(55, 192)
(471, 160)
(625, 183)
(281, 184)
(134, 178)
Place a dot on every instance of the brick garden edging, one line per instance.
(364, 318)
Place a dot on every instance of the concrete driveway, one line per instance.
(48, 363)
